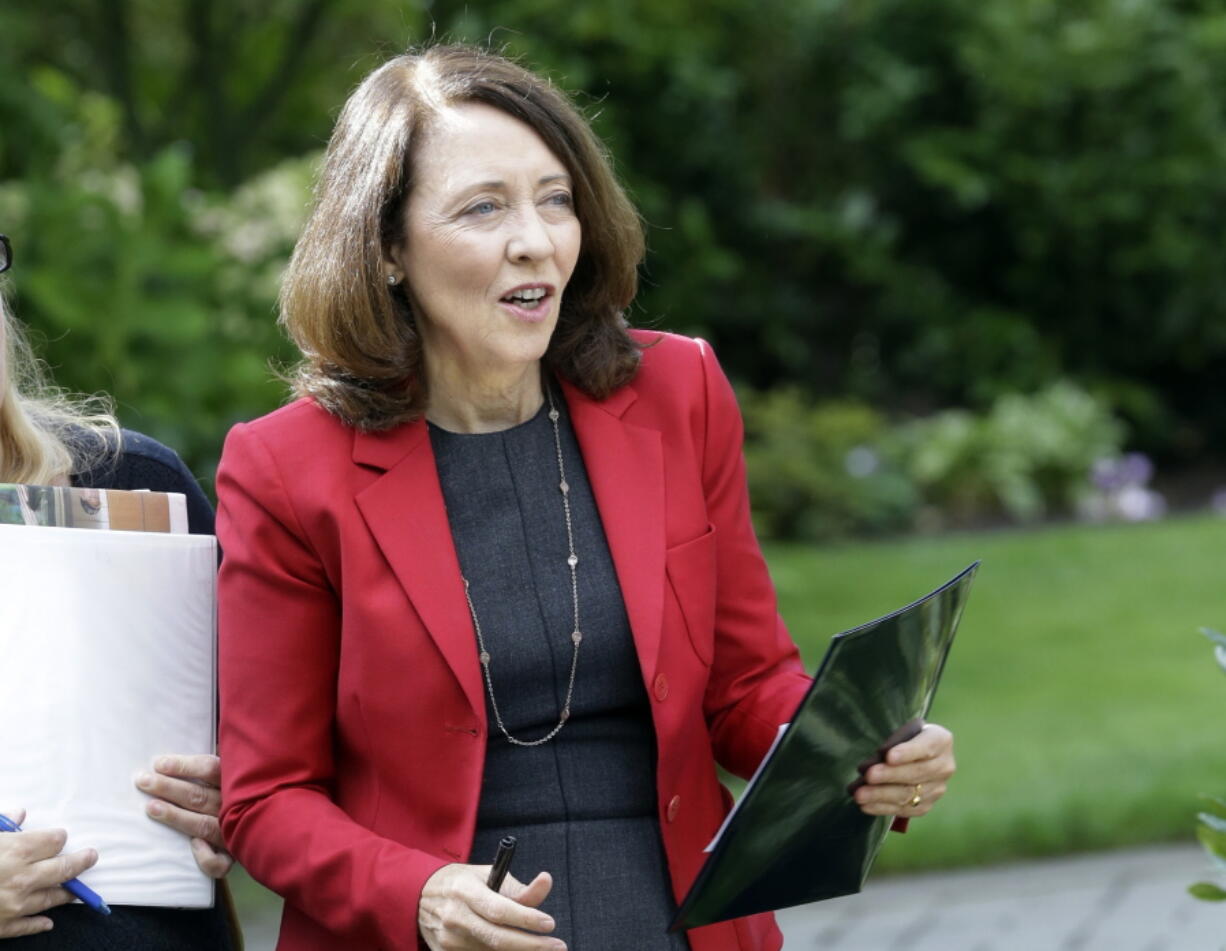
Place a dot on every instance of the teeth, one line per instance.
(528, 294)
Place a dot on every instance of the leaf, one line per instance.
(1217, 823)
(1212, 839)
(1207, 891)
(1216, 806)
(1216, 636)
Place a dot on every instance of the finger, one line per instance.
(500, 909)
(930, 742)
(898, 800)
(465, 923)
(19, 927)
(192, 796)
(532, 894)
(44, 898)
(34, 846)
(191, 824)
(202, 767)
(214, 862)
(926, 772)
(51, 872)
(16, 814)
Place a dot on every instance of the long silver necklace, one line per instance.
(576, 636)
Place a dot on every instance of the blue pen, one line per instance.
(73, 886)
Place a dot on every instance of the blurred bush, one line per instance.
(909, 206)
(1027, 457)
(143, 286)
(1211, 824)
(829, 470)
(821, 471)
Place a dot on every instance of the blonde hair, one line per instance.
(46, 436)
(362, 358)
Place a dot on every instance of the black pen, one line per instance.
(502, 862)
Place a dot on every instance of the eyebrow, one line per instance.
(499, 183)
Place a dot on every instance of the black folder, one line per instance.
(797, 835)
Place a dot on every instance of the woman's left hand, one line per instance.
(913, 776)
(187, 797)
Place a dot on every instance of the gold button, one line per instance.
(661, 687)
(674, 807)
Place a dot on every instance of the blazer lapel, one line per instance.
(405, 513)
(625, 466)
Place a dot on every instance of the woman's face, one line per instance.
(491, 241)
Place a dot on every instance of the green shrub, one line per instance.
(1211, 825)
(1028, 457)
(833, 469)
(138, 284)
(821, 471)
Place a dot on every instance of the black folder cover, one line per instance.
(797, 835)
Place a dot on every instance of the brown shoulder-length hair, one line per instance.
(362, 354)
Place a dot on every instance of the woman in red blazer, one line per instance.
(374, 676)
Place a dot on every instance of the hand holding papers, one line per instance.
(797, 834)
(108, 641)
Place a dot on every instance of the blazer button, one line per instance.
(674, 807)
(661, 687)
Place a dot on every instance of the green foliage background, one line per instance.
(908, 205)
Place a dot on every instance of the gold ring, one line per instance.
(918, 797)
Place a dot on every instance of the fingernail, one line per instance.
(156, 808)
(163, 763)
(144, 780)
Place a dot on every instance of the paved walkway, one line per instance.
(1134, 900)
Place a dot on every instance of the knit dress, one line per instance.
(583, 806)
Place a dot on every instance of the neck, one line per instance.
(467, 405)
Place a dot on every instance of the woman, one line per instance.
(46, 439)
(494, 571)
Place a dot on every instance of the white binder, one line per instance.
(107, 660)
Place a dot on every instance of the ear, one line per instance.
(392, 271)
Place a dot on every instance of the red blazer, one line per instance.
(353, 724)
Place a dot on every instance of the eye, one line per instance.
(561, 199)
(482, 208)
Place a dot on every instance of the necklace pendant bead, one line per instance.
(564, 486)
(576, 637)
(553, 415)
(573, 560)
(485, 658)
(565, 715)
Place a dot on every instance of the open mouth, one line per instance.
(529, 298)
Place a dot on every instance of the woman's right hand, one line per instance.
(31, 871)
(457, 911)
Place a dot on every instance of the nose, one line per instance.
(530, 239)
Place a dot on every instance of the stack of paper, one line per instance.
(109, 647)
(73, 507)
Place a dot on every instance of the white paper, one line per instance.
(748, 786)
(107, 659)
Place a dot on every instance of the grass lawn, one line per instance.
(1087, 708)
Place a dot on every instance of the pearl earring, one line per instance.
(393, 279)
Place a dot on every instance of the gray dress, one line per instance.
(583, 806)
